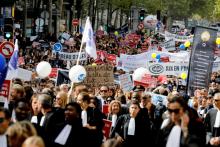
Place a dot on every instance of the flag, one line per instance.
(13, 63)
(89, 40)
(3, 74)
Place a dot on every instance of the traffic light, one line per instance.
(141, 15)
(8, 28)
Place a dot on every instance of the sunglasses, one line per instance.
(216, 100)
(1, 119)
(176, 111)
(103, 90)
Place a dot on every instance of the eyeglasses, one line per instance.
(176, 111)
(216, 100)
(103, 90)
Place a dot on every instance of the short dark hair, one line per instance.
(135, 102)
(6, 112)
(75, 105)
(85, 97)
(179, 100)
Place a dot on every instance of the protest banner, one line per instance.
(107, 128)
(147, 81)
(158, 98)
(99, 75)
(174, 69)
(23, 74)
(72, 56)
(5, 91)
(132, 62)
(202, 58)
(125, 82)
(169, 45)
(178, 38)
(216, 66)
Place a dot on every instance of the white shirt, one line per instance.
(3, 141)
(217, 120)
(64, 135)
(84, 118)
(174, 137)
(114, 118)
(131, 126)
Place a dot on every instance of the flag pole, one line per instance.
(77, 63)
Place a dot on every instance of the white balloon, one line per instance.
(43, 69)
(77, 74)
(139, 73)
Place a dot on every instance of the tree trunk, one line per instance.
(97, 14)
(121, 17)
(116, 19)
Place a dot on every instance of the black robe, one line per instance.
(143, 133)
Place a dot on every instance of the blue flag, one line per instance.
(3, 74)
(13, 63)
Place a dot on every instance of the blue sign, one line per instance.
(57, 47)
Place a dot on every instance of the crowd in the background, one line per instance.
(59, 116)
(40, 114)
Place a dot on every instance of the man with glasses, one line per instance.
(212, 123)
(103, 95)
(4, 124)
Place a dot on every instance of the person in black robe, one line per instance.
(73, 138)
(133, 129)
(92, 119)
(184, 128)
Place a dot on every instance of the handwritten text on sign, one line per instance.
(99, 75)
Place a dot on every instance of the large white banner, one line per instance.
(132, 62)
(72, 56)
(174, 69)
(178, 38)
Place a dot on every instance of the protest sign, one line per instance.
(158, 98)
(125, 82)
(99, 75)
(147, 81)
(5, 91)
(22, 74)
(178, 38)
(53, 73)
(169, 45)
(216, 66)
(72, 56)
(202, 58)
(107, 128)
(174, 69)
(132, 62)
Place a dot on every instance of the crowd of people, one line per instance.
(39, 113)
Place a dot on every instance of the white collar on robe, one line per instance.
(64, 135)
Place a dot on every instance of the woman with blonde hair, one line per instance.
(34, 141)
(114, 110)
(61, 99)
(18, 132)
